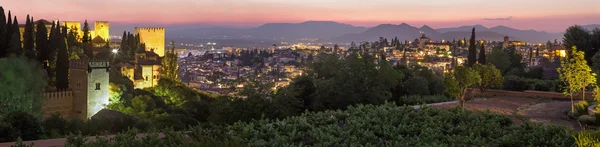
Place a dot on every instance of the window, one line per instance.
(146, 78)
(97, 86)
(78, 85)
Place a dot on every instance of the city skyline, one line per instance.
(535, 14)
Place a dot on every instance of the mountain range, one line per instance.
(342, 33)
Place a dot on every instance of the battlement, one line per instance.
(150, 28)
(58, 95)
(60, 102)
(79, 64)
(99, 64)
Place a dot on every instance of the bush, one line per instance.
(417, 86)
(197, 136)
(581, 107)
(390, 125)
(426, 99)
(7, 132)
(25, 125)
(587, 138)
(515, 83)
(587, 119)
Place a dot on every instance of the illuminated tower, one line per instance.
(101, 28)
(97, 87)
(154, 38)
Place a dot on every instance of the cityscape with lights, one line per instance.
(310, 73)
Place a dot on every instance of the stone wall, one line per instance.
(58, 102)
(527, 93)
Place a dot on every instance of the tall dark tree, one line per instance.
(123, 46)
(2, 32)
(482, 54)
(62, 59)
(472, 56)
(41, 41)
(86, 38)
(577, 36)
(15, 40)
(28, 39)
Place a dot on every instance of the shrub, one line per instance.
(26, 125)
(426, 99)
(587, 119)
(515, 83)
(390, 125)
(587, 138)
(581, 107)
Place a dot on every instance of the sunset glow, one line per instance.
(530, 14)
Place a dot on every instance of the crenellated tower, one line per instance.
(153, 37)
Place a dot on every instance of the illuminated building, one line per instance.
(102, 29)
(73, 25)
(48, 25)
(145, 72)
(87, 94)
(154, 38)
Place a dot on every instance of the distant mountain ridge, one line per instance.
(342, 33)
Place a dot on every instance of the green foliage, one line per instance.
(423, 99)
(176, 93)
(472, 56)
(586, 119)
(197, 136)
(417, 86)
(575, 74)
(169, 68)
(587, 138)
(500, 59)
(456, 83)
(351, 80)
(20, 143)
(22, 84)
(579, 37)
(581, 107)
(490, 76)
(25, 125)
(55, 126)
(515, 83)
(390, 125)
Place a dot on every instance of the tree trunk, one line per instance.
(583, 93)
(572, 104)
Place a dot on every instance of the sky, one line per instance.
(544, 15)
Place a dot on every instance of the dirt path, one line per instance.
(551, 112)
(521, 109)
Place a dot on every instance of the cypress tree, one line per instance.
(62, 60)
(15, 40)
(482, 59)
(6, 36)
(28, 39)
(123, 45)
(2, 32)
(86, 38)
(472, 56)
(41, 43)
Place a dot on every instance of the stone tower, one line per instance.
(97, 86)
(154, 38)
(78, 80)
(101, 28)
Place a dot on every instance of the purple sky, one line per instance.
(546, 15)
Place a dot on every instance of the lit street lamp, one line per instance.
(115, 51)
